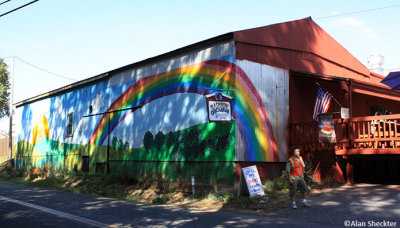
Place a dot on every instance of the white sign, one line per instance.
(344, 113)
(219, 111)
(253, 181)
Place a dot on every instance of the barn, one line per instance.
(150, 118)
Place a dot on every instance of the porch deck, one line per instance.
(356, 136)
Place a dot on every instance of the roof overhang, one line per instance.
(375, 90)
(357, 86)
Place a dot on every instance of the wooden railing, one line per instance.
(370, 132)
(376, 131)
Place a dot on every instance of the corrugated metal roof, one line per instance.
(198, 45)
(299, 45)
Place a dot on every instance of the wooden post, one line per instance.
(350, 97)
(349, 170)
(346, 86)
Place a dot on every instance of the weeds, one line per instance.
(133, 198)
(150, 190)
(278, 184)
(160, 200)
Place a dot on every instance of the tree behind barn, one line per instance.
(4, 90)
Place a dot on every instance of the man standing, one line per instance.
(295, 168)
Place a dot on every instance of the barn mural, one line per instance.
(147, 123)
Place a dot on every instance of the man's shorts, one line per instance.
(297, 182)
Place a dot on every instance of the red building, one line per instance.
(272, 74)
(367, 145)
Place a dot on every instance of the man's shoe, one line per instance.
(294, 206)
(306, 204)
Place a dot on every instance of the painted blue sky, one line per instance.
(75, 39)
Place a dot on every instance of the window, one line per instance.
(69, 124)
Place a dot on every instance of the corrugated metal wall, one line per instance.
(171, 95)
(272, 83)
(213, 52)
(41, 125)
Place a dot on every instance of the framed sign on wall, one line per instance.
(219, 107)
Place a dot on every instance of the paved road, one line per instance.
(24, 206)
(368, 205)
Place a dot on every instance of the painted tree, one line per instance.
(126, 147)
(148, 141)
(170, 139)
(120, 145)
(192, 146)
(4, 90)
(115, 143)
(159, 140)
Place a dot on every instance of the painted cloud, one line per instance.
(97, 102)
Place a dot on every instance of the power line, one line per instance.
(5, 2)
(49, 72)
(357, 12)
(18, 8)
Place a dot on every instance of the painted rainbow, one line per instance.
(247, 107)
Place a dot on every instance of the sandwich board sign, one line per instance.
(253, 182)
(219, 107)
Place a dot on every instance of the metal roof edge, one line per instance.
(220, 38)
(356, 83)
(62, 89)
(197, 45)
(321, 76)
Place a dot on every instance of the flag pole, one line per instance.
(330, 93)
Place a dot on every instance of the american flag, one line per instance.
(322, 102)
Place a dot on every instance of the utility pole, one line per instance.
(10, 139)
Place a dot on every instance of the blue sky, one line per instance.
(80, 39)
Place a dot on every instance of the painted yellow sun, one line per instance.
(40, 129)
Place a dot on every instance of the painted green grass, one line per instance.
(176, 152)
(216, 154)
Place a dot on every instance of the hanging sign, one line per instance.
(326, 128)
(219, 107)
(344, 113)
